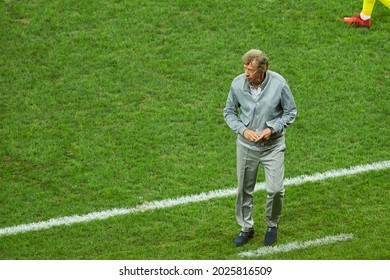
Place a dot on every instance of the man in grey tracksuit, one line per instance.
(259, 108)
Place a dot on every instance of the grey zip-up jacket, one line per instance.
(274, 108)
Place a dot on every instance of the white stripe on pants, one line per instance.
(248, 161)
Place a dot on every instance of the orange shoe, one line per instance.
(357, 20)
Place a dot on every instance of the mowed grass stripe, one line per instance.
(166, 203)
(296, 245)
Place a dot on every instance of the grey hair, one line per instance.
(258, 56)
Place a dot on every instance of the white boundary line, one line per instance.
(166, 203)
(296, 245)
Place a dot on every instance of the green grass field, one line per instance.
(113, 104)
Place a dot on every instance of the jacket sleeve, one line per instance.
(231, 113)
(289, 111)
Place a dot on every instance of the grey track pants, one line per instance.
(248, 161)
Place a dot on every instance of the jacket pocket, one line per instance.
(244, 120)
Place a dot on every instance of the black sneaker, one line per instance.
(243, 237)
(270, 236)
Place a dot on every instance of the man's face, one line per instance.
(252, 73)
